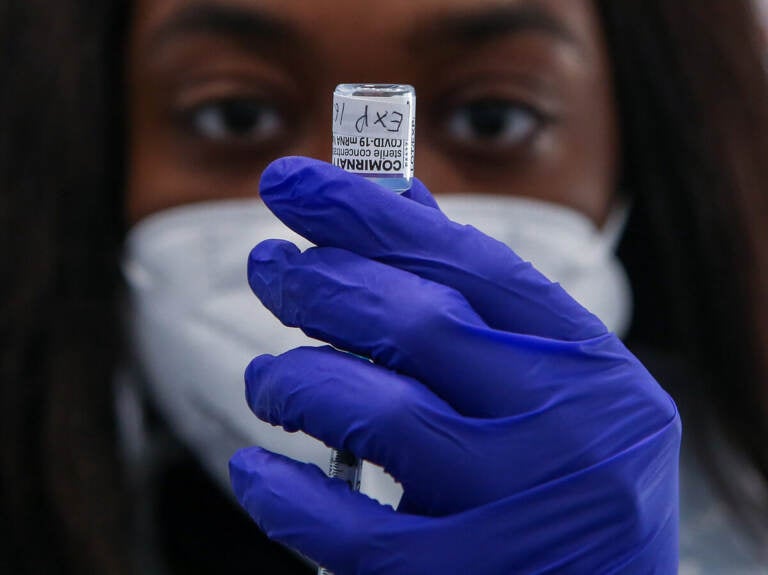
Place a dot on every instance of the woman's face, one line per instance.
(514, 96)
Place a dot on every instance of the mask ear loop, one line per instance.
(611, 233)
(144, 449)
(613, 229)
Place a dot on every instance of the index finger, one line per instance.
(333, 208)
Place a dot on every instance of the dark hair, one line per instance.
(61, 212)
(693, 99)
(693, 115)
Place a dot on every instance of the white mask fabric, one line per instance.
(562, 243)
(194, 324)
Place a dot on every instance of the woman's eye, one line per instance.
(236, 120)
(492, 123)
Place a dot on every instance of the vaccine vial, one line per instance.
(374, 128)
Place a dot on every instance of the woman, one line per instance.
(677, 84)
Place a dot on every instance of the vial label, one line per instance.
(372, 136)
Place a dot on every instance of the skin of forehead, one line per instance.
(343, 24)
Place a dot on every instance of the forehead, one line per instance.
(353, 29)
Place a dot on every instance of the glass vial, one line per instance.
(374, 128)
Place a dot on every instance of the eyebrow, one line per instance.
(477, 26)
(246, 26)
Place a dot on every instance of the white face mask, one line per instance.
(195, 324)
(563, 244)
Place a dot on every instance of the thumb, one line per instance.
(420, 194)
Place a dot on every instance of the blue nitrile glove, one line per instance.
(526, 437)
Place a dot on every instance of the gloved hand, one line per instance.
(526, 437)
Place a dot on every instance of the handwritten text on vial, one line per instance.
(389, 120)
(370, 117)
